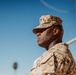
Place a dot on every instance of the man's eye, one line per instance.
(41, 30)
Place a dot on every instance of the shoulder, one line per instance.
(61, 50)
(60, 47)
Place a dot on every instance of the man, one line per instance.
(57, 60)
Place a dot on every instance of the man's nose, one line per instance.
(38, 33)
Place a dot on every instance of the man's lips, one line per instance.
(38, 39)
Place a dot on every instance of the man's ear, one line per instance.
(55, 31)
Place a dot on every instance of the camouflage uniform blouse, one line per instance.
(58, 60)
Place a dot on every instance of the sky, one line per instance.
(17, 41)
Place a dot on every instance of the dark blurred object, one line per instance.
(15, 65)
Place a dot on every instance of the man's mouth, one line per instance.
(38, 39)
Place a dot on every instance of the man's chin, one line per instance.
(41, 45)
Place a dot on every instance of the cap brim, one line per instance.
(35, 30)
(42, 26)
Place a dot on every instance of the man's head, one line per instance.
(49, 30)
(47, 21)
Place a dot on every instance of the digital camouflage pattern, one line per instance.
(47, 21)
(58, 60)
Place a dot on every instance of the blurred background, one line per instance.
(18, 46)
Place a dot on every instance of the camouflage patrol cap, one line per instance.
(47, 21)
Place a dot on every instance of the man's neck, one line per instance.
(53, 43)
